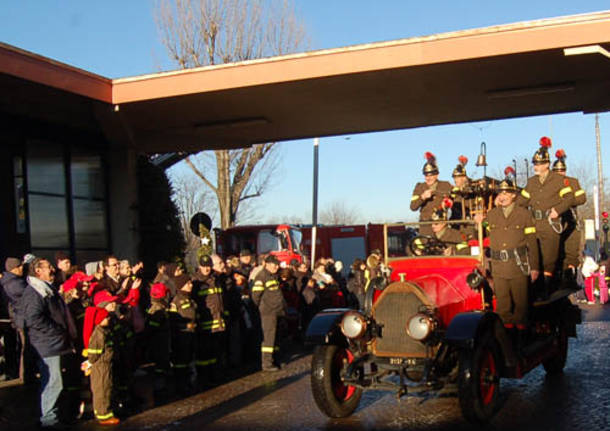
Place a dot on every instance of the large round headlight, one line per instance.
(353, 324)
(420, 327)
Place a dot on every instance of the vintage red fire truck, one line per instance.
(427, 326)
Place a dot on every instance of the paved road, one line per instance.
(577, 400)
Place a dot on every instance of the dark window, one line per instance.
(67, 206)
(19, 192)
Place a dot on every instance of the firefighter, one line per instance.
(268, 297)
(183, 320)
(459, 191)
(159, 332)
(100, 352)
(548, 195)
(210, 323)
(455, 241)
(571, 237)
(427, 196)
(514, 255)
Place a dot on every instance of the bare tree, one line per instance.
(207, 32)
(338, 212)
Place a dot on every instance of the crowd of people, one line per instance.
(85, 335)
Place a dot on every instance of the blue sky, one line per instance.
(374, 173)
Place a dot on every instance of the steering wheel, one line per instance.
(426, 245)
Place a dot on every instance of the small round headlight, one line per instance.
(353, 324)
(420, 327)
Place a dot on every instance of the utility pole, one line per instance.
(314, 215)
(600, 174)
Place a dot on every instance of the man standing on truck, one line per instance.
(460, 208)
(514, 254)
(548, 195)
(267, 296)
(428, 196)
(571, 237)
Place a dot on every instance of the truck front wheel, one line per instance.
(332, 396)
(479, 380)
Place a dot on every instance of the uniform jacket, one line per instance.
(101, 346)
(554, 192)
(157, 316)
(267, 295)
(47, 319)
(210, 306)
(454, 239)
(183, 313)
(442, 189)
(508, 233)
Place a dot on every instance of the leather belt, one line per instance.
(506, 255)
(540, 214)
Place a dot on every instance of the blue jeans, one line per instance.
(51, 386)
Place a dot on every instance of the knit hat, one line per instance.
(76, 279)
(272, 259)
(158, 291)
(12, 263)
(103, 298)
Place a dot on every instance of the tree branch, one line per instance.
(200, 175)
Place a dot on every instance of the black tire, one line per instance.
(556, 363)
(479, 380)
(332, 397)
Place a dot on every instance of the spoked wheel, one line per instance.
(556, 363)
(333, 397)
(479, 380)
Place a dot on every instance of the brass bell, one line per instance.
(482, 159)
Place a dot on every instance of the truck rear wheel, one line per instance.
(556, 363)
(332, 396)
(479, 380)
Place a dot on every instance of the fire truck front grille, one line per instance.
(393, 309)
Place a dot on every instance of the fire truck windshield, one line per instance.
(296, 238)
(269, 241)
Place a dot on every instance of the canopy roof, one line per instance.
(497, 72)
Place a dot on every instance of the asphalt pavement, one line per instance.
(579, 399)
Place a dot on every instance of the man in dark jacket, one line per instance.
(267, 296)
(51, 330)
(13, 286)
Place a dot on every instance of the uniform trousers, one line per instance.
(268, 348)
(511, 298)
(548, 240)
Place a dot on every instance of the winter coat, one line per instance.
(13, 289)
(47, 320)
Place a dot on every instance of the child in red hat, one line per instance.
(158, 326)
(100, 353)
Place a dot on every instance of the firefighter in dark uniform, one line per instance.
(454, 239)
(183, 319)
(571, 237)
(268, 297)
(514, 255)
(428, 196)
(210, 323)
(159, 335)
(548, 196)
(459, 192)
